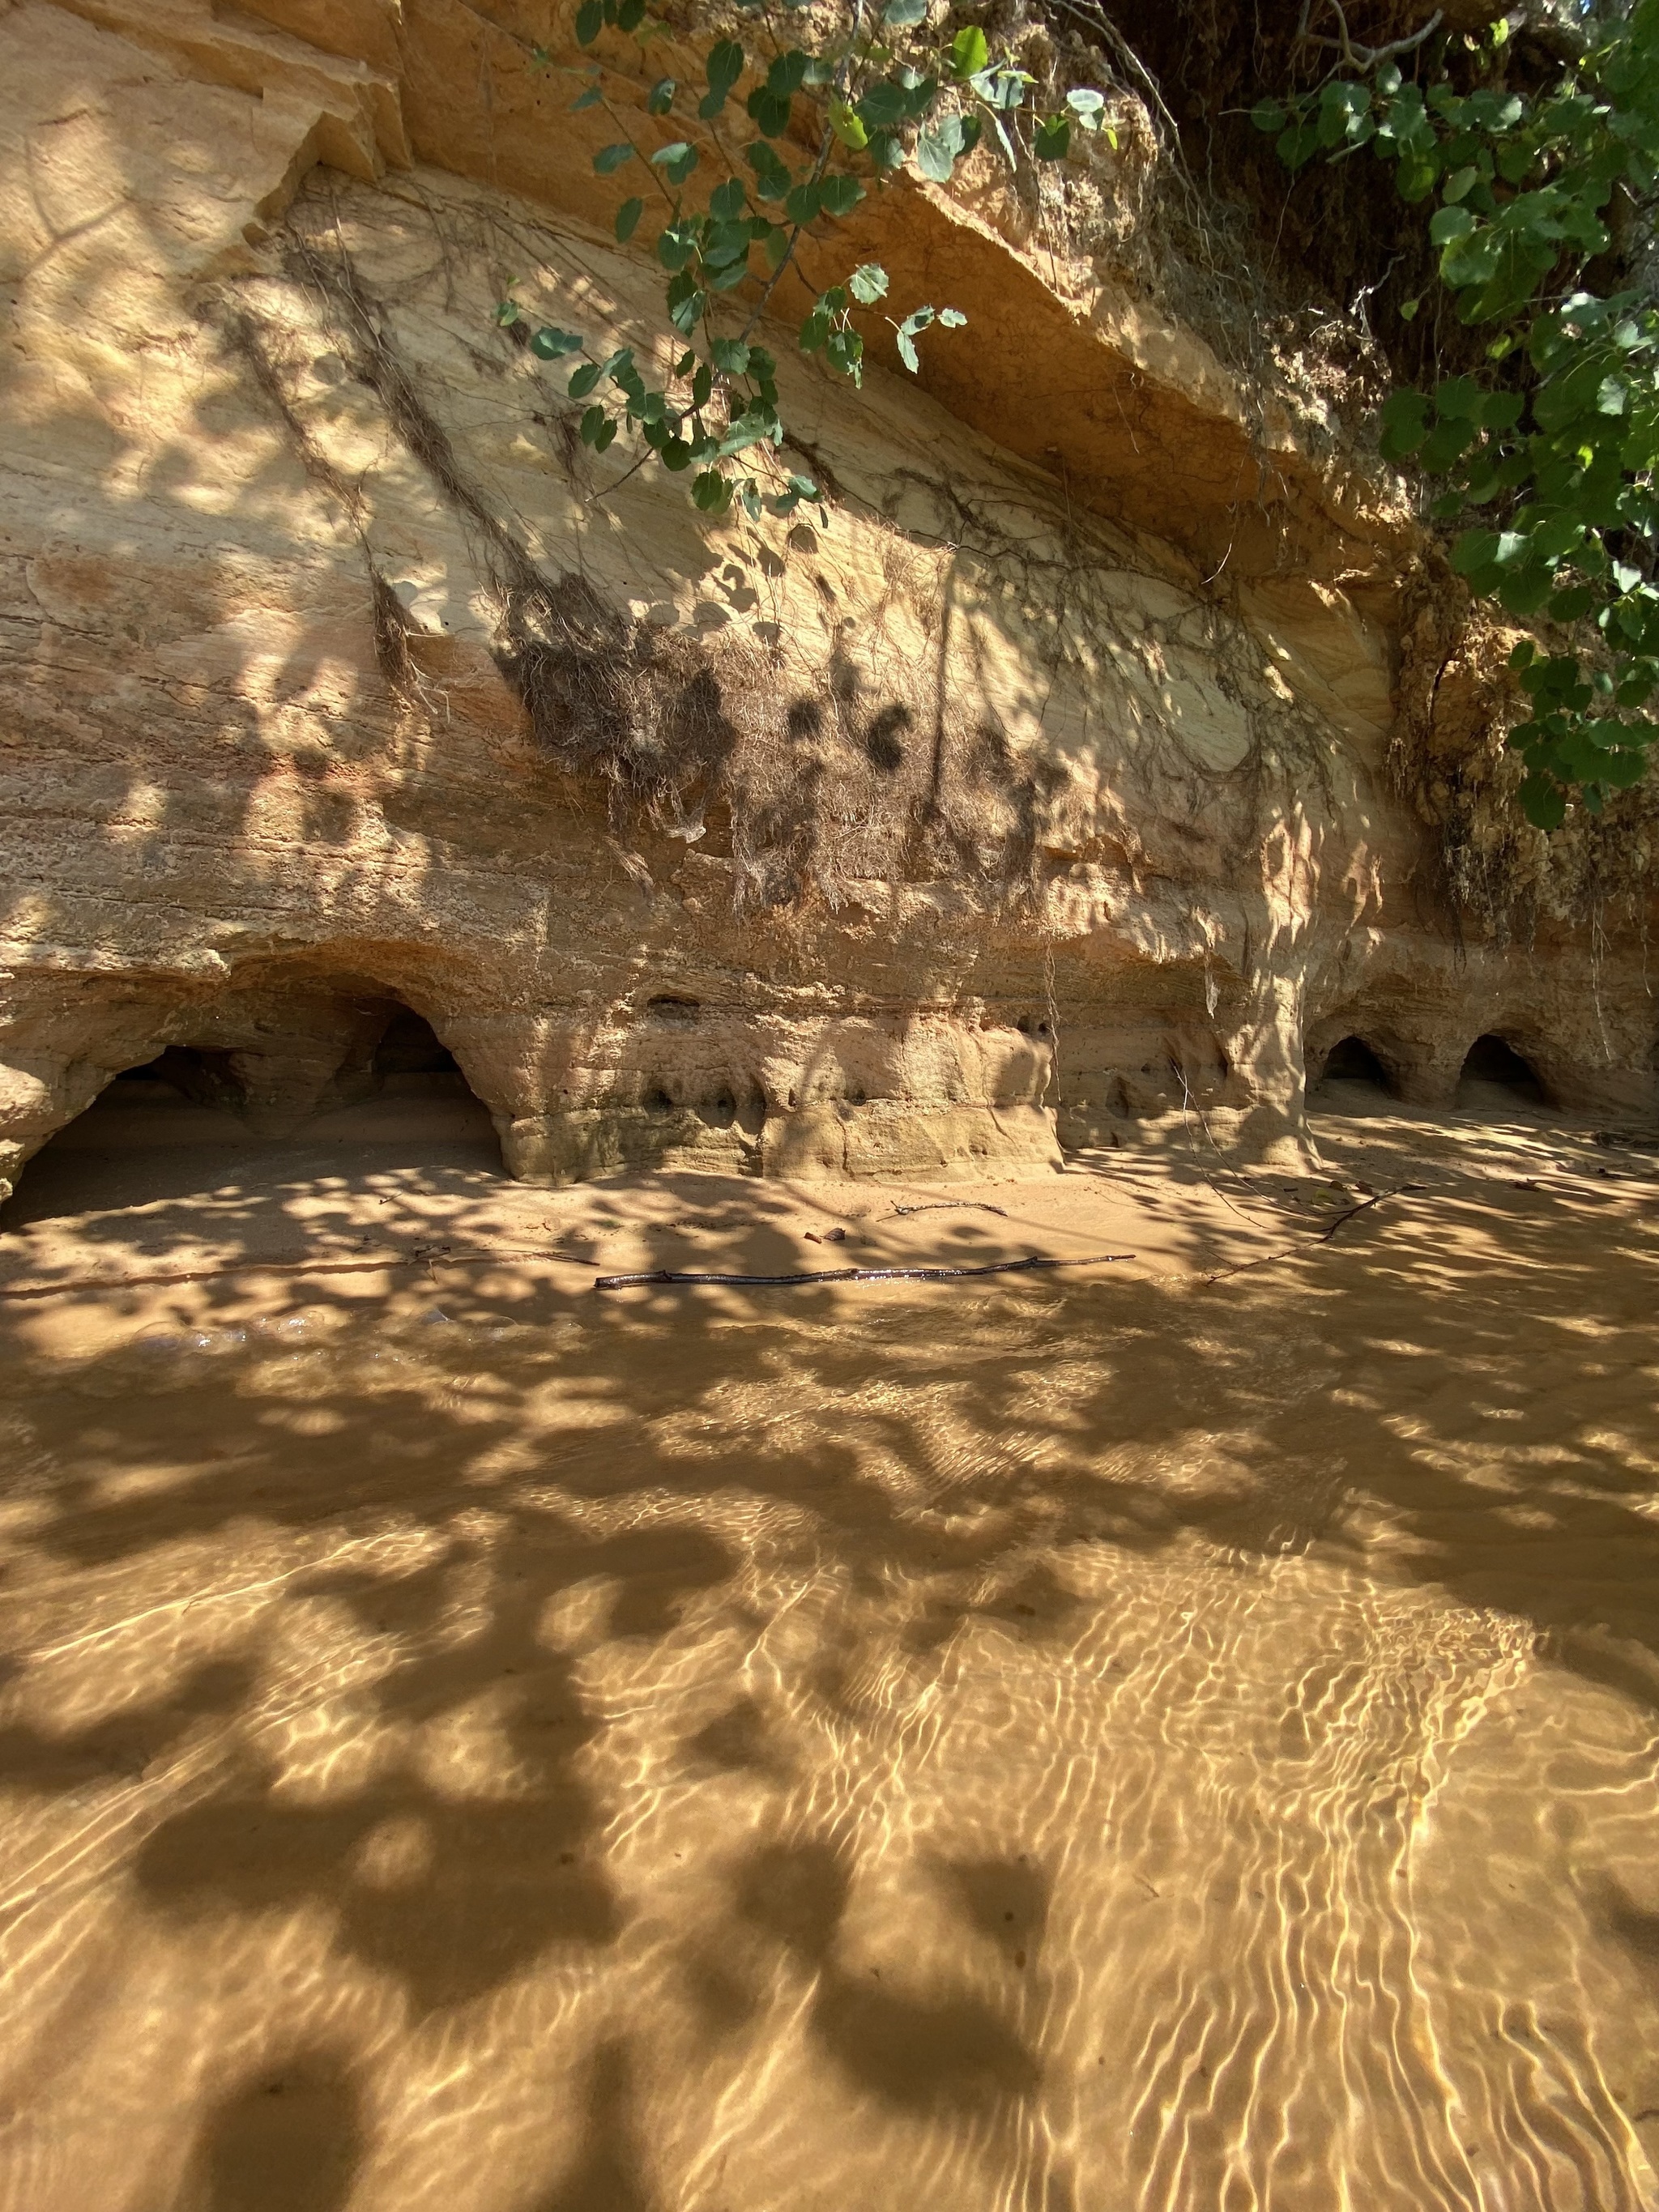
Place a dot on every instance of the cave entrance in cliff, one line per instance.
(419, 1100)
(1356, 1067)
(1493, 1064)
(194, 1123)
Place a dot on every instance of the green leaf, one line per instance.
(676, 244)
(1450, 223)
(848, 126)
(728, 201)
(628, 219)
(1445, 444)
(609, 158)
(686, 311)
(1086, 105)
(550, 344)
(590, 98)
(845, 351)
(1460, 183)
(868, 283)
(969, 51)
(1459, 397)
(676, 161)
(951, 318)
(725, 243)
(592, 422)
(1473, 550)
(731, 356)
(884, 103)
(590, 22)
(1523, 590)
(585, 378)
(840, 194)
(772, 178)
(771, 110)
(1404, 424)
(1543, 802)
(711, 492)
(1268, 115)
(802, 204)
(1053, 138)
(938, 148)
(724, 66)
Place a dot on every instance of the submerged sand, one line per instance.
(1172, 1733)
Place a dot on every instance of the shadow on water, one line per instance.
(291, 2139)
(609, 2174)
(929, 1443)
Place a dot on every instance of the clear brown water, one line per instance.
(1054, 1747)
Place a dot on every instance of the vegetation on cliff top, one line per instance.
(1526, 185)
(1550, 470)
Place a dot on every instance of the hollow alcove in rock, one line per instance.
(1491, 1063)
(409, 1046)
(317, 1107)
(1352, 1063)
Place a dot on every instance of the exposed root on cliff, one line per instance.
(865, 770)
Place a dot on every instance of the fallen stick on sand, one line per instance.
(954, 1205)
(866, 1275)
(1292, 1251)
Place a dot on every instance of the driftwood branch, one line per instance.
(668, 1275)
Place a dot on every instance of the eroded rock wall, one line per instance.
(1040, 797)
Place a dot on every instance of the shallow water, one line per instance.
(1064, 1745)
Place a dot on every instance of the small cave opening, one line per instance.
(1492, 1062)
(366, 1088)
(197, 1075)
(409, 1046)
(1351, 1061)
(414, 1094)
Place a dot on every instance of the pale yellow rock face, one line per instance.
(1039, 797)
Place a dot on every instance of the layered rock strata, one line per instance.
(1038, 799)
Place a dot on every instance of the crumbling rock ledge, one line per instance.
(339, 679)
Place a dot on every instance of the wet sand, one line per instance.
(1175, 1733)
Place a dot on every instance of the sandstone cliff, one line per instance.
(1045, 794)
